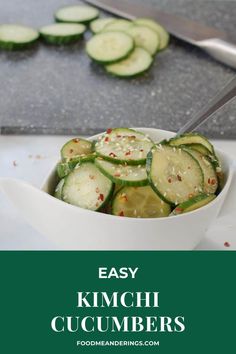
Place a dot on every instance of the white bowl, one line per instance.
(71, 227)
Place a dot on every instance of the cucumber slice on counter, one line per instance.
(123, 174)
(193, 204)
(76, 148)
(58, 190)
(17, 36)
(98, 25)
(87, 187)
(118, 25)
(76, 14)
(144, 37)
(192, 138)
(62, 33)
(109, 46)
(174, 174)
(123, 145)
(162, 33)
(140, 202)
(209, 172)
(136, 63)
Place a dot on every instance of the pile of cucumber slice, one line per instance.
(126, 48)
(126, 174)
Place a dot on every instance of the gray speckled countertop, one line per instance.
(51, 90)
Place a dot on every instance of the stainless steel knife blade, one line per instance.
(210, 39)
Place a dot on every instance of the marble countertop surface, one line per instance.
(31, 158)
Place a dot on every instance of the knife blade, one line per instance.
(210, 39)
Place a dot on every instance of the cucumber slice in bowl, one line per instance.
(162, 33)
(209, 172)
(137, 63)
(58, 190)
(174, 174)
(62, 33)
(140, 202)
(192, 138)
(144, 37)
(118, 25)
(86, 187)
(64, 168)
(76, 148)
(193, 204)
(17, 36)
(109, 47)
(125, 175)
(200, 148)
(76, 14)
(98, 25)
(123, 145)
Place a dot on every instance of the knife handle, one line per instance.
(221, 50)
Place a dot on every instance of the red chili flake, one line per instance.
(106, 139)
(169, 180)
(128, 153)
(179, 178)
(179, 210)
(109, 131)
(209, 181)
(76, 140)
(97, 190)
(118, 136)
(71, 151)
(227, 244)
(14, 163)
(213, 182)
(101, 197)
(141, 150)
(91, 176)
(121, 213)
(112, 154)
(117, 174)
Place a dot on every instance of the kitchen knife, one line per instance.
(212, 40)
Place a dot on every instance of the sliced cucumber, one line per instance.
(200, 148)
(137, 63)
(144, 37)
(193, 204)
(76, 148)
(76, 14)
(17, 36)
(109, 46)
(209, 172)
(123, 145)
(118, 25)
(64, 168)
(192, 138)
(140, 202)
(58, 190)
(174, 174)
(87, 187)
(62, 33)
(162, 33)
(98, 25)
(123, 174)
